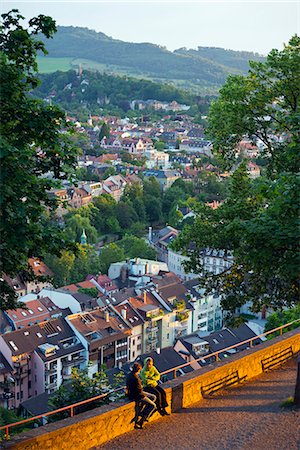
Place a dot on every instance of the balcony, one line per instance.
(66, 376)
(51, 385)
(71, 362)
(152, 329)
(152, 338)
(51, 370)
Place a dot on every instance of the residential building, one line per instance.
(165, 177)
(41, 357)
(105, 335)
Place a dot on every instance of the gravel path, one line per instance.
(242, 418)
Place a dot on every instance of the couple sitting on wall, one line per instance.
(148, 396)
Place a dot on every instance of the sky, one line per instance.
(251, 25)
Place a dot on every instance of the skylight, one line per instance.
(13, 345)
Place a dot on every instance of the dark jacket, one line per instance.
(134, 387)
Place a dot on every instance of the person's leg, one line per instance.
(163, 396)
(152, 390)
(150, 398)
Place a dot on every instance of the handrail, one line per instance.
(216, 354)
(174, 369)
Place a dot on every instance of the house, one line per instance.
(79, 197)
(253, 170)
(41, 357)
(165, 177)
(105, 335)
(42, 279)
(42, 273)
(37, 311)
(161, 239)
(114, 186)
(196, 146)
(157, 159)
(136, 323)
(136, 269)
(104, 284)
(195, 346)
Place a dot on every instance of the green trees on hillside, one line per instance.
(34, 142)
(259, 221)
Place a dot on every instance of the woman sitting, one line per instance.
(150, 376)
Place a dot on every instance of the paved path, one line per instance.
(248, 417)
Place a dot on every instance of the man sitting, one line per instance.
(144, 401)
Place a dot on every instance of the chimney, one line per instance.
(145, 296)
(123, 312)
(106, 316)
(150, 234)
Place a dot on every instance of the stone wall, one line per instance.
(93, 428)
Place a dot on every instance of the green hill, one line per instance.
(200, 71)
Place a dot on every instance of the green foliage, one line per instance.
(159, 145)
(259, 221)
(70, 268)
(32, 144)
(135, 247)
(81, 387)
(92, 292)
(104, 131)
(283, 317)
(110, 254)
(109, 172)
(75, 224)
(198, 70)
(211, 187)
(263, 106)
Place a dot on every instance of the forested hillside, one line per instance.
(204, 73)
(237, 61)
(94, 89)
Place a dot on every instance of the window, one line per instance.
(133, 354)
(40, 309)
(18, 395)
(29, 384)
(24, 313)
(133, 342)
(30, 311)
(139, 347)
(39, 335)
(13, 345)
(21, 395)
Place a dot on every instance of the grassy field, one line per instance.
(49, 65)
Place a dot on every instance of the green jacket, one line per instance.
(150, 376)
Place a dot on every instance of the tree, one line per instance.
(75, 225)
(136, 247)
(110, 254)
(279, 318)
(104, 131)
(81, 387)
(259, 221)
(159, 145)
(34, 141)
(264, 106)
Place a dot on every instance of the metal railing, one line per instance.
(174, 370)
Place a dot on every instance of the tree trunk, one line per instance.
(297, 388)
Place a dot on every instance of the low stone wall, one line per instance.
(93, 428)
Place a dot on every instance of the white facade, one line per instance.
(158, 159)
(175, 264)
